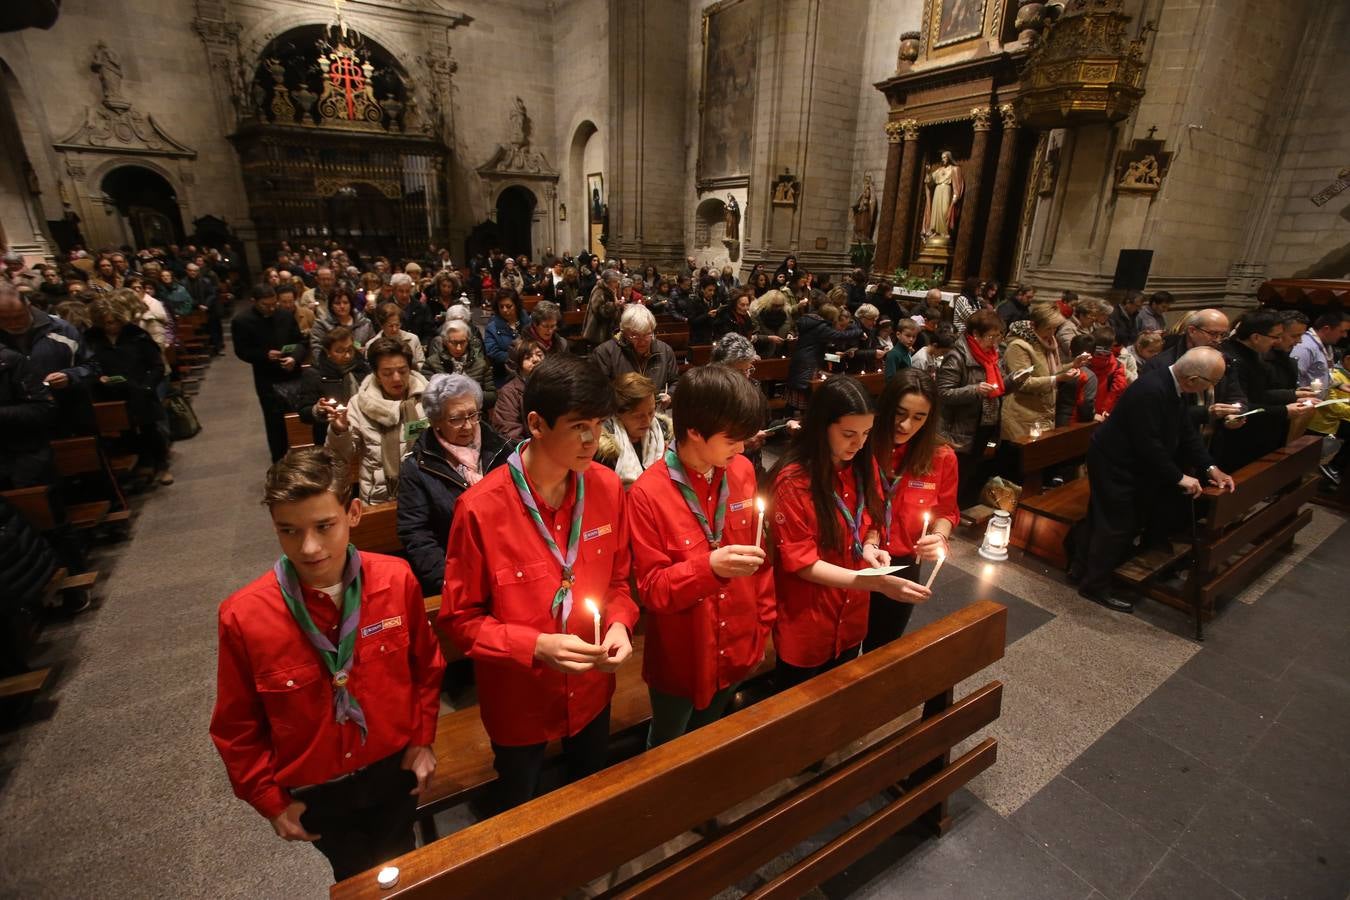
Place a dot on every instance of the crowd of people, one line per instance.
(554, 484)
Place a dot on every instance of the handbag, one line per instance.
(183, 421)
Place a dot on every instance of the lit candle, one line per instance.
(759, 524)
(1316, 384)
(942, 557)
(595, 614)
(927, 518)
(1036, 431)
(388, 877)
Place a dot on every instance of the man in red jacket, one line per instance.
(328, 683)
(531, 546)
(700, 569)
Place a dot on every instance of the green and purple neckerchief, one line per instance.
(339, 659)
(854, 519)
(562, 600)
(712, 532)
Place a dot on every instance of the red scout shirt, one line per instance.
(704, 632)
(274, 723)
(500, 579)
(934, 493)
(815, 624)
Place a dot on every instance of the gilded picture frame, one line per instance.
(726, 102)
(953, 22)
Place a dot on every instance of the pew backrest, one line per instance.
(565, 839)
(377, 532)
(1054, 447)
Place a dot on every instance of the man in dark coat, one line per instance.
(27, 412)
(58, 355)
(268, 339)
(1138, 458)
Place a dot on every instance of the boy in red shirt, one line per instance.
(701, 576)
(328, 682)
(530, 544)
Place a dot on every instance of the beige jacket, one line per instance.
(1034, 401)
(372, 418)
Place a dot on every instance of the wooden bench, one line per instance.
(83, 458)
(1043, 519)
(1237, 532)
(114, 423)
(35, 505)
(560, 842)
(298, 434)
(700, 354)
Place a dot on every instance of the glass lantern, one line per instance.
(996, 537)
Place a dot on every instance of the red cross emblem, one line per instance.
(346, 74)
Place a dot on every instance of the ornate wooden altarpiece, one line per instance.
(334, 147)
(980, 70)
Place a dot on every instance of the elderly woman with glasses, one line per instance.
(637, 349)
(456, 353)
(449, 457)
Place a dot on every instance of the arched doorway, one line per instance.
(147, 205)
(515, 213)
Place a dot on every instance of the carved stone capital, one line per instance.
(892, 132)
(216, 33)
(1009, 115)
(980, 115)
(910, 129)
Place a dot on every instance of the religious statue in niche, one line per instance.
(864, 213)
(520, 125)
(109, 70)
(733, 219)
(945, 188)
(785, 190)
(1142, 168)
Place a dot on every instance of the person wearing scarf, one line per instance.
(1111, 376)
(450, 457)
(635, 437)
(971, 385)
(700, 566)
(1032, 345)
(382, 420)
(328, 679)
(530, 544)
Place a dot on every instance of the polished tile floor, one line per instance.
(1133, 763)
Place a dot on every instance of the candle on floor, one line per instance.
(759, 524)
(388, 877)
(595, 614)
(942, 558)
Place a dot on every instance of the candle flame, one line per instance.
(759, 504)
(591, 607)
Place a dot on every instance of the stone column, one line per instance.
(970, 204)
(881, 260)
(998, 205)
(905, 203)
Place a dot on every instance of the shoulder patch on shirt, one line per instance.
(596, 532)
(377, 627)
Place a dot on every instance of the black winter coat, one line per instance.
(254, 336)
(26, 565)
(1250, 380)
(428, 488)
(136, 359)
(27, 413)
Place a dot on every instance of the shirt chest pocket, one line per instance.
(381, 657)
(920, 494)
(523, 593)
(292, 696)
(689, 542)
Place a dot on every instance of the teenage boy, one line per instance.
(329, 676)
(701, 575)
(529, 545)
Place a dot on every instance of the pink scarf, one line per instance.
(465, 459)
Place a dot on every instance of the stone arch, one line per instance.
(710, 224)
(104, 225)
(258, 36)
(27, 190)
(146, 203)
(576, 171)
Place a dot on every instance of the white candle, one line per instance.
(927, 518)
(759, 524)
(1316, 384)
(595, 614)
(388, 877)
(942, 557)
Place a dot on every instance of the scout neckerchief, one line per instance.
(339, 659)
(677, 474)
(563, 598)
(854, 520)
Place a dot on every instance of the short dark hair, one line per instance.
(945, 337)
(1082, 342)
(563, 384)
(304, 473)
(520, 350)
(336, 335)
(285, 287)
(707, 281)
(1160, 297)
(984, 321)
(1329, 320)
(1290, 316)
(1069, 296)
(262, 292)
(718, 400)
(1104, 336)
(381, 347)
(1258, 321)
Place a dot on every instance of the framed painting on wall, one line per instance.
(597, 213)
(952, 22)
(727, 93)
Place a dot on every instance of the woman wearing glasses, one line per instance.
(449, 457)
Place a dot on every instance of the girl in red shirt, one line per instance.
(825, 509)
(918, 476)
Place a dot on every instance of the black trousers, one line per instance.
(887, 619)
(1120, 506)
(972, 469)
(215, 330)
(787, 676)
(519, 768)
(274, 420)
(363, 820)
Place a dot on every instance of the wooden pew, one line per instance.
(35, 505)
(114, 422)
(771, 374)
(560, 842)
(1236, 532)
(1043, 518)
(298, 434)
(700, 354)
(83, 458)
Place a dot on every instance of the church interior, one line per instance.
(905, 175)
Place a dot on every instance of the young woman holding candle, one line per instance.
(826, 504)
(702, 579)
(919, 479)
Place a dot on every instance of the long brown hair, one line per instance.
(924, 444)
(841, 395)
